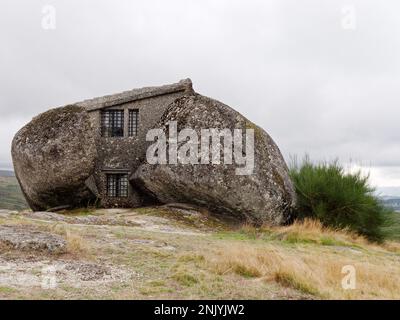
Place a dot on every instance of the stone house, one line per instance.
(94, 152)
(121, 122)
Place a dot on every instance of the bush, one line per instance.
(338, 199)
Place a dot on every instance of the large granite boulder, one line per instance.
(53, 156)
(265, 195)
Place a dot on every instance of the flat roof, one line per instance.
(135, 94)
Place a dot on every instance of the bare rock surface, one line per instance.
(28, 272)
(24, 239)
(175, 219)
(265, 196)
(89, 219)
(53, 156)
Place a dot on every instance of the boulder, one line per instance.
(265, 195)
(53, 156)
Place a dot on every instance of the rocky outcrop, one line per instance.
(22, 238)
(61, 160)
(266, 195)
(53, 156)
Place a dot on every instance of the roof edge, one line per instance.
(135, 94)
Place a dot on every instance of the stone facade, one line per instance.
(61, 158)
(125, 154)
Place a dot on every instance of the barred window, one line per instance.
(133, 122)
(117, 185)
(112, 123)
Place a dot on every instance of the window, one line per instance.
(133, 122)
(117, 185)
(112, 123)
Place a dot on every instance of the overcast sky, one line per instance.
(321, 77)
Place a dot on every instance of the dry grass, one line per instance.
(304, 260)
(313, 231)
(314, 269)
(392, 246)
(76, 245)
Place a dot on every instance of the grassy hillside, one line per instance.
(11, 197)
(391, 228)
(160, 253)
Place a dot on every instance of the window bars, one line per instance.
(117, 185)
(112, 123)
(133, 122)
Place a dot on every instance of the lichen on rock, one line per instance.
(53, 155)
(265, 196)
(61, 160)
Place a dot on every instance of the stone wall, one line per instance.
(125, 154)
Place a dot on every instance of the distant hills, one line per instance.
(391, 202)
(7, 173)
(390, 196)
(11, 197)
(388, 192)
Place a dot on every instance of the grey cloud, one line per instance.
(288, 65)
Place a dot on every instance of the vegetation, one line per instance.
(308, 257)
(11, 197)
(170, 254)
(166, 258)
(338, 199)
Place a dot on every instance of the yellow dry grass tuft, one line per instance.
(310, 230)
(315, 265)
(309, 272)
(76, 245)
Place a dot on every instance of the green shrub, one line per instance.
(338, 199)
